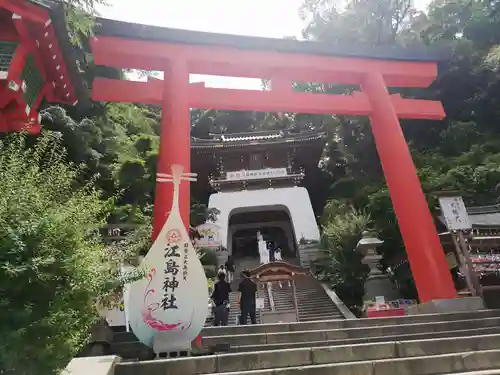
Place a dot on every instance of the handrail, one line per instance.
(344, 310)
(270, 296)
(295, 302)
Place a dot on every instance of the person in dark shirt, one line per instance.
(248, 290)
(220, 296)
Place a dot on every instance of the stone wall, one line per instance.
(308, 253)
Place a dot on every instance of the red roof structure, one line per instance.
(33, 64)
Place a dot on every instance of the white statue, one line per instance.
(277, 254)
(263, 251)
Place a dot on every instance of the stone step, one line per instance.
(318, 307)
(135, 350)
(311, 292)
(308, 319)
(373, 339)
(483, 372)
(326, 314)
(320, 315)
(312, 299)
(350, 323)
(405, 358)
(315, 318)
(344, 333)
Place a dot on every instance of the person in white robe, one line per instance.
(263, 251)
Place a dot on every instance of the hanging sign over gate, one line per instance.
(256, 174)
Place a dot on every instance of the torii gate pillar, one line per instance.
(175, 138)
(414, 218)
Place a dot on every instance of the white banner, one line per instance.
(454, 213)
(209, 236)
(259, 303)
(256, 174)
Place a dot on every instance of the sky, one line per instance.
(265, 18)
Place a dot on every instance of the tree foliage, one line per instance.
(459, 153)
(341, 267)
(54, 268)
(117, 147)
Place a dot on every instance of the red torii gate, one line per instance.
(179, 53)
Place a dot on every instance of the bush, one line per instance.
(207, 257)
(53, 265)
(210, 273)
(341, 265)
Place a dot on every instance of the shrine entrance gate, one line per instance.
(179, 53)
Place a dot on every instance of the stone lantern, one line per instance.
(367, 246)
(377, 283)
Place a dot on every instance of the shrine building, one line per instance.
(36, 63)
(258, 178)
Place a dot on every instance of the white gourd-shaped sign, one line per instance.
(172, 301)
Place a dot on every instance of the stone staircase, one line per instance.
(312, 301)
(282, 294)
(453, 343)
(234, 311)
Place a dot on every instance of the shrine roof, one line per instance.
(277, 269)
(482, 216)
(68, 51)
(418, 53)
(64, 47)
(255, 138)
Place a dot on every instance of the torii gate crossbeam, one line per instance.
(180, 53)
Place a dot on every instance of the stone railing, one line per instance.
(344, 310)
(92, 365)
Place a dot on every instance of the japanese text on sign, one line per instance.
(185, 268)
(454, 213)
(256, 174)
(171, 283)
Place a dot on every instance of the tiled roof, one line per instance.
(121, 29)
(244, 139)
(229, 138)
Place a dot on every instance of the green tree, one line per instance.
(457, 153)
(54, 269)
(341, 267)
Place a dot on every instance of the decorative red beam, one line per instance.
(61, 89)
(223, 61)
(262, 101)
